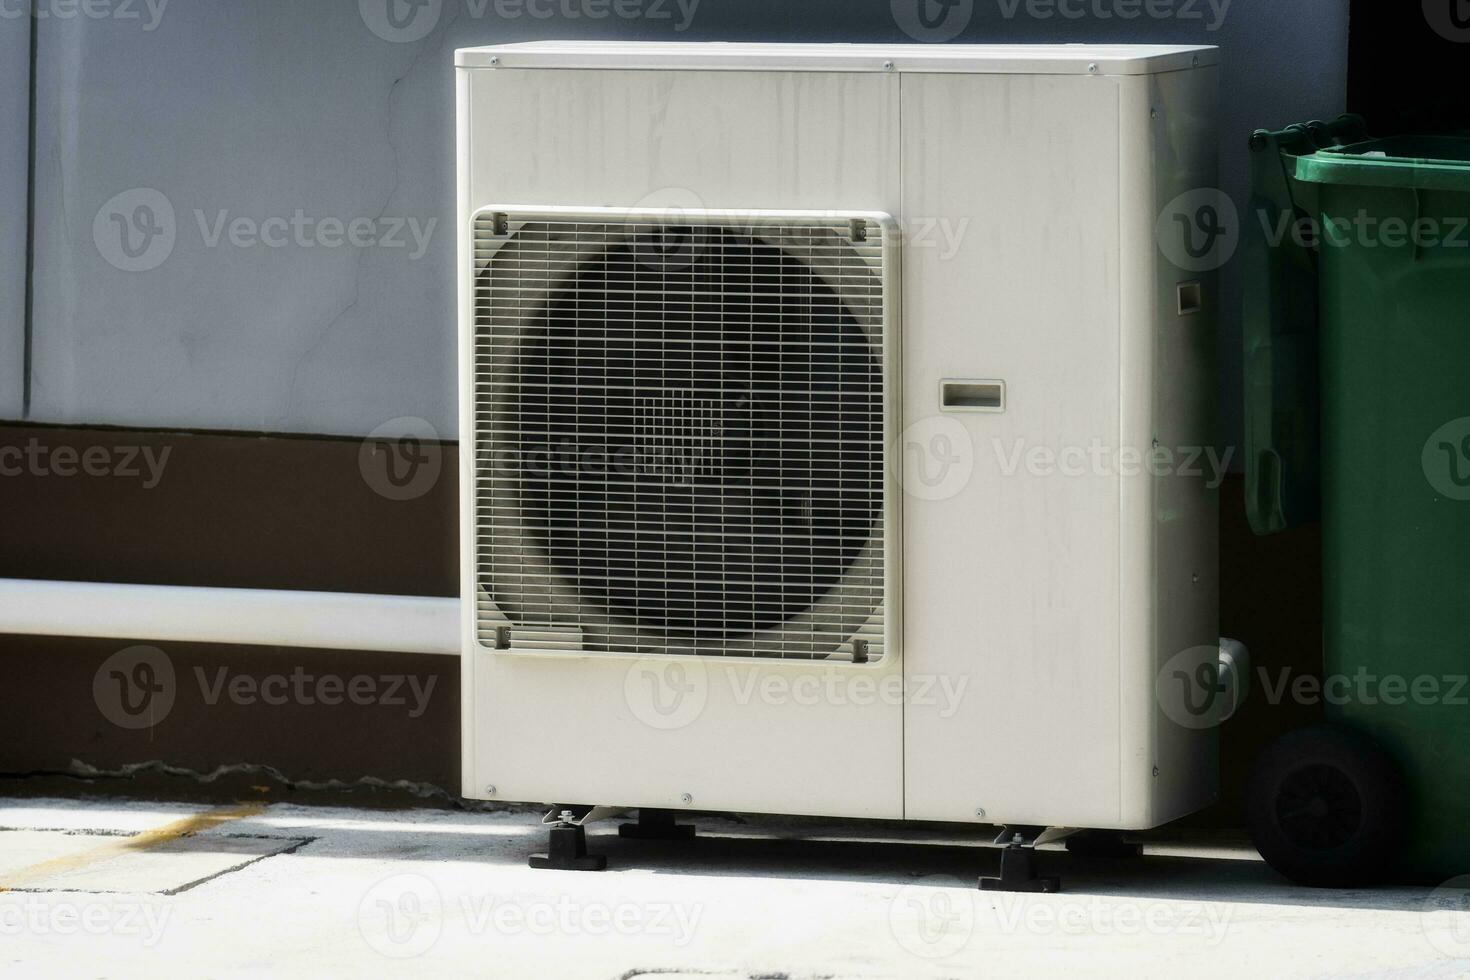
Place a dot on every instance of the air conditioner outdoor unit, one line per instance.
(818, 409)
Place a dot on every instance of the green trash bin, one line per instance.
(1371, 336)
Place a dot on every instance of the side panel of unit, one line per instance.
(1178, 113)
(757, 737)
(465, 284)
(1012, 519)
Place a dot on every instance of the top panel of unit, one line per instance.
(1002, 59)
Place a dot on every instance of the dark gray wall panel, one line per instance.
(258, 109)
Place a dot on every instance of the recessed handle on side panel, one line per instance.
(1191, 298)
(972, 396)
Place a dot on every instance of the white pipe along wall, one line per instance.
(250, 617)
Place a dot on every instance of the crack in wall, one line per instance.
(324, 335)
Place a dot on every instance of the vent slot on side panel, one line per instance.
(679, 437)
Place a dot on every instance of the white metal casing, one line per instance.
(1038, 607)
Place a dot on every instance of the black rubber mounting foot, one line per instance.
(568, 852)
(1107, 844)
(656, 825)
(1018, 873)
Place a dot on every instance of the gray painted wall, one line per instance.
(260, 109)
(15, 106)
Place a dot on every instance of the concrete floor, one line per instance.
(102, 888)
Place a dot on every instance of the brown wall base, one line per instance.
(227, 511)
(294, 721)
(279, 513)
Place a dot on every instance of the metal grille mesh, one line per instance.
(680, 437)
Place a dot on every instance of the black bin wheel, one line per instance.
(1326, 808)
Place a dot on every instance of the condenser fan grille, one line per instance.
(680, 437)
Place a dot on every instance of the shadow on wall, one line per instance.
(1417, 85)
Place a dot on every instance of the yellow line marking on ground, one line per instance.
(147, 840)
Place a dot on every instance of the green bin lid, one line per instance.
(1427, 162)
